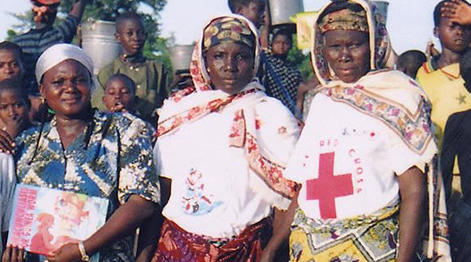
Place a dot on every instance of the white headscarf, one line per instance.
(56, 54)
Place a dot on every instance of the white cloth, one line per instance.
(59, 53)
(7, 188)
(211, 191)
(367, 155)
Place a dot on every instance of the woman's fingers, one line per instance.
(7, 144)
(13, 254)
(6, 254)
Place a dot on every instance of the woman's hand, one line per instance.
(13, 126)
(66, 253)
(457, 11)
(13, 254)
(7, 144)
(124, 220)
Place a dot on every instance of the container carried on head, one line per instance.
(380, 10)
(99, 42)
(180, 57)
(282, 10)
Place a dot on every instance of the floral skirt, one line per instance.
(178, 245)
(371, 238)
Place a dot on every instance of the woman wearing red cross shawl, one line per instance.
(221, 150)
(366, 151)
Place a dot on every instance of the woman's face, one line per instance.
(66, 88)
(230, 66)
(348, 54)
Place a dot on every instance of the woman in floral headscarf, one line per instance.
(364, 151)
(221, 149)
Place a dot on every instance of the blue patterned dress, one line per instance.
(111, 159)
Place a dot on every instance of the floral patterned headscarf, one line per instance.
(366, 20)
(232, 27)
(227, 29)
(344, 19)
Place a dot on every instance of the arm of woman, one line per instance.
(125, 219)
(7, 143)
(150, 231)
(281, 229)
(138, 190)
(412, 191)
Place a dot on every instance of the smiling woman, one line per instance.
(66, 87)
(83, 151)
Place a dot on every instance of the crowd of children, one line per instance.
(247, 154)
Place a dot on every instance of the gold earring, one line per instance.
(43, 100)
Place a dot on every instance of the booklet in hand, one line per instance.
(44, 219)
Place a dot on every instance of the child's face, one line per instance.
(44, 14)
(131, 35)
(254, 11)
(10, 65)
(453, 36)
(13, 108)
(281, 45)
(118, 97)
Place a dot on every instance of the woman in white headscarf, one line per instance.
(84, 151)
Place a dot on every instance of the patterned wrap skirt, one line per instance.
(178, 245)
(371, 238)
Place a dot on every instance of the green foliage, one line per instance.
(110, 9)
(10, 35)
(301, 61)
(155, 48)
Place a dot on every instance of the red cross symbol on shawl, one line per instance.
(328, 186)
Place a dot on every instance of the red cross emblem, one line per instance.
(328, 186)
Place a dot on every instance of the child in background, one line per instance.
(11, 66)
(150, 76)
(410, 61)
(45, 33)
(120, 94)
(440, 76)
(14, 107)
(280, 81)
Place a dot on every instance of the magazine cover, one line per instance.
(44, 219)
